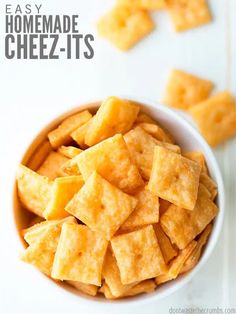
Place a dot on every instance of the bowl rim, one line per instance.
(218, 221)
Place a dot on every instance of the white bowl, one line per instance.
(189, 139)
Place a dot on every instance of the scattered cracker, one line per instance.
(220, 124)
(184, 90)
(124, 26)
(187, 14)
(144, 4)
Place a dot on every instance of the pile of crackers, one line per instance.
(118, 207)
(130, 21)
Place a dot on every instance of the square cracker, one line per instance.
(80, 255)
(61, 135)
(141, 146)
(69, 151)
(42, 249)
(144, 4)
(83, 287)
(196, 253)
(51, 167)
(124, 26)
(220, 111)
(115, 115)
(145, 286)
(174, 178)
(101, 206)
(144, 118)
(39, 155)
(34, 190)
(146, 211)
(198, 157)
(32, 234)
(138, 255)
(63, 190)
(79, 134)
(209, 184)
(167, 249)
(112, 160)
(187, 14)
(177, 264)
(70, 167)
(111, 274)
(182, 225)
(156, 131)
(184, 90)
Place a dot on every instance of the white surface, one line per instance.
(31, 93)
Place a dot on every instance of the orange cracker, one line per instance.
(184, 90)
(69, 151)
(39, 155)
(63, 190)
(144, 118)
(163, 206)
(216, 117)
(80, 255)
(61, 135)
(196, 253)
(177, 264)
(146, 212)
(101, 206)
(167, 249)
(156, 131)
(41, 252)
(187, 14)
(145, 286)
(51, 167)
(124, 26)
(209, 184)
(141, 146)
(34, 190)
(112, 278)
(115, 115)
(79, 134)
(83, 287)
(70, 167)
(111, 159)
(182, 225)
(198, 157)
(32, 233)
(138, 255)
(144, 4)
(174, 178)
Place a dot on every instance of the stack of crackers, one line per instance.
(118, 207)
(129, 21)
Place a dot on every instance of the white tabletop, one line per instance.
(32, 92)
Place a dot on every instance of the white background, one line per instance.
(33, 92)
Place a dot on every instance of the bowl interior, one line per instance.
(189, 139)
